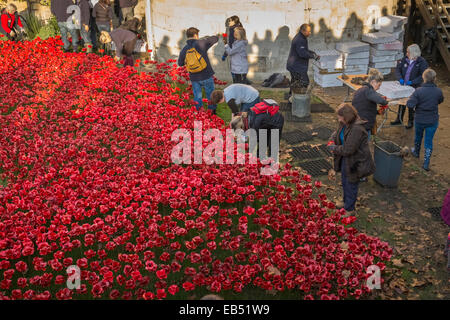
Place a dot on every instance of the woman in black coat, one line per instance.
(366, 99)
(409, 72)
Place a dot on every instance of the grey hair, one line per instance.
(429, 75)
(414, 51)
(375, 75)
(11, 7)
(237, 123)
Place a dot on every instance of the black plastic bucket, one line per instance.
(388, 162)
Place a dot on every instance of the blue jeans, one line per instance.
(350, 190)
(103, 27)
(64, 29)
(369, 134)
(245, 107)
(197, 86)
(430, 130)
(86, 36)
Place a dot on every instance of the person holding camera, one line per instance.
(298, 59)
(238, 56)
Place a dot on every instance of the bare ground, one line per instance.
(398, 216)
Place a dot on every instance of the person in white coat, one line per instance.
(238, 56)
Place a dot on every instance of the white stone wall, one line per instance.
(270, 26)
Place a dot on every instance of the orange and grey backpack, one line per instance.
(194, 61)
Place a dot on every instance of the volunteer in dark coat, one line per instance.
(409, 72)
(59, 10)
(298, 59)
(351, 153)
(204, 78)
(426, 100)
(366, 99)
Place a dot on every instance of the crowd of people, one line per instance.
(349, 144)
(94, 24)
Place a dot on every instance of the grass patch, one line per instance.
(224, 112)
(407, 275)
(316, 100)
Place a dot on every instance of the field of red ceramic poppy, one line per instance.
(86, 180)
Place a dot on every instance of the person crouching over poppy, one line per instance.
(239, 97)
(125, 42)
(264, 115)
(11, 25)
(351, 154)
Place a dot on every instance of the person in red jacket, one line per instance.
(11, 25)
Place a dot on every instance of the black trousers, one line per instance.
(299, 80)
(239, 78)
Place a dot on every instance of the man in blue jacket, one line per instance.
(298, 60)
(204, 78)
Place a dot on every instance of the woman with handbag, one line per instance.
(351, 153)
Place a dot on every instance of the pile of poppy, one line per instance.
(88, 181)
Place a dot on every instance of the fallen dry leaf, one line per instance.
(397, 262)
(419, 282)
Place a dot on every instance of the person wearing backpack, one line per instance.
(195, 57)
(11, 25)
(238, 56)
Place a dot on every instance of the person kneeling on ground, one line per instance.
(124, 40)
(351, 153)
(426, 100)
(236, 95)
(11, 25)
(264, 115)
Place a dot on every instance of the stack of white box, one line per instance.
(328, 68)
(355, 56)
(387, 44)
(394, 90)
